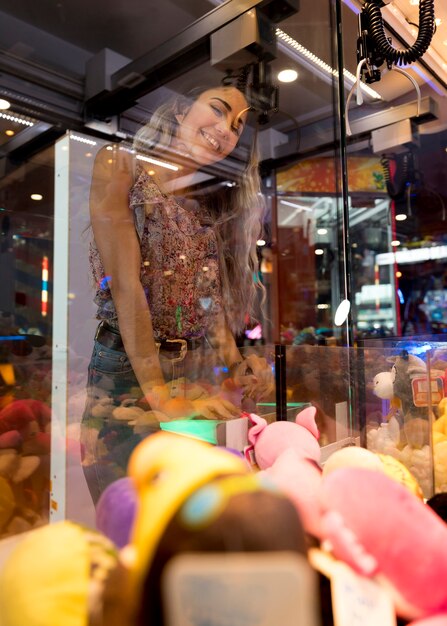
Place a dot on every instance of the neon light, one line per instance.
(44, 289)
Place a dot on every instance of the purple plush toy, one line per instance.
(115, 511)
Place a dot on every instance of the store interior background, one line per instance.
(324, 241)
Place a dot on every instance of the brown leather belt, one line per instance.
(109, 337)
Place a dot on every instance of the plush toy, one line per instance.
(195, 498)
(115, 511)
(268, 441)
(353, 456)
(289, 454)
(379, 528)
(24, 463)
(59, 574)
(408, 442)
(398, 383)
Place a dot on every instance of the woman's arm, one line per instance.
(118, 246)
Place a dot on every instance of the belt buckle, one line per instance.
(98, 329)
(182, 351)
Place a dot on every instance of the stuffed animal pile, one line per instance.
(406, 434)
(364, 509)
(24, 465)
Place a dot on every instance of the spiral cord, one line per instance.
(391, 54)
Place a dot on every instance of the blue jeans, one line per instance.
(106, 442)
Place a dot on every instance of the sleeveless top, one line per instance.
(179, 265)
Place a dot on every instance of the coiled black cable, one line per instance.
(394, 189)
(377, 33)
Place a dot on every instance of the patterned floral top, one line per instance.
(179, 265)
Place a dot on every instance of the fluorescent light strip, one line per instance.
(292, 47)
(18, 120)
(417, 255)
(168, 166)
(89, 142)
(296, 206)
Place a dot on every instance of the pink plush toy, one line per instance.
(268, 441)
(378, 527)
(289, 454)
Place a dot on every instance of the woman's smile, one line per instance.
(211, 140)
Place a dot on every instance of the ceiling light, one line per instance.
(319, 251)
(308, 59)
(168, 166)
(295, 205)
(89, 142)
(322, 231)
(322, 306)
(287, 76)
(9, 132)
(395, 243)
(14, 118)
(4, 104)
(36, 196)
(401, 217)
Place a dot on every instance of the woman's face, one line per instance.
(211, 127)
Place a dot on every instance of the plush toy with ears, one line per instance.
(289, 454)
(269, 441)
(398, 384)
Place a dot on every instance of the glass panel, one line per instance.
(397, 231)
(26, 262)
(307, 248)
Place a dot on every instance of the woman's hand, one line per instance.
(255, 377)
(215, 407)
(211, 407)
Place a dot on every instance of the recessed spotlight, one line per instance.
(9, 132)
(395, 243)
(401, 217)
(36, 196)
(4, 104)
(319, 251)
(287, 76)
(322, 231)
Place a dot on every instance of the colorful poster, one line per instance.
(365, 174)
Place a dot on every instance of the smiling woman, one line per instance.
(174, 268)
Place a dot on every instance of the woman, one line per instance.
(174, 272)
